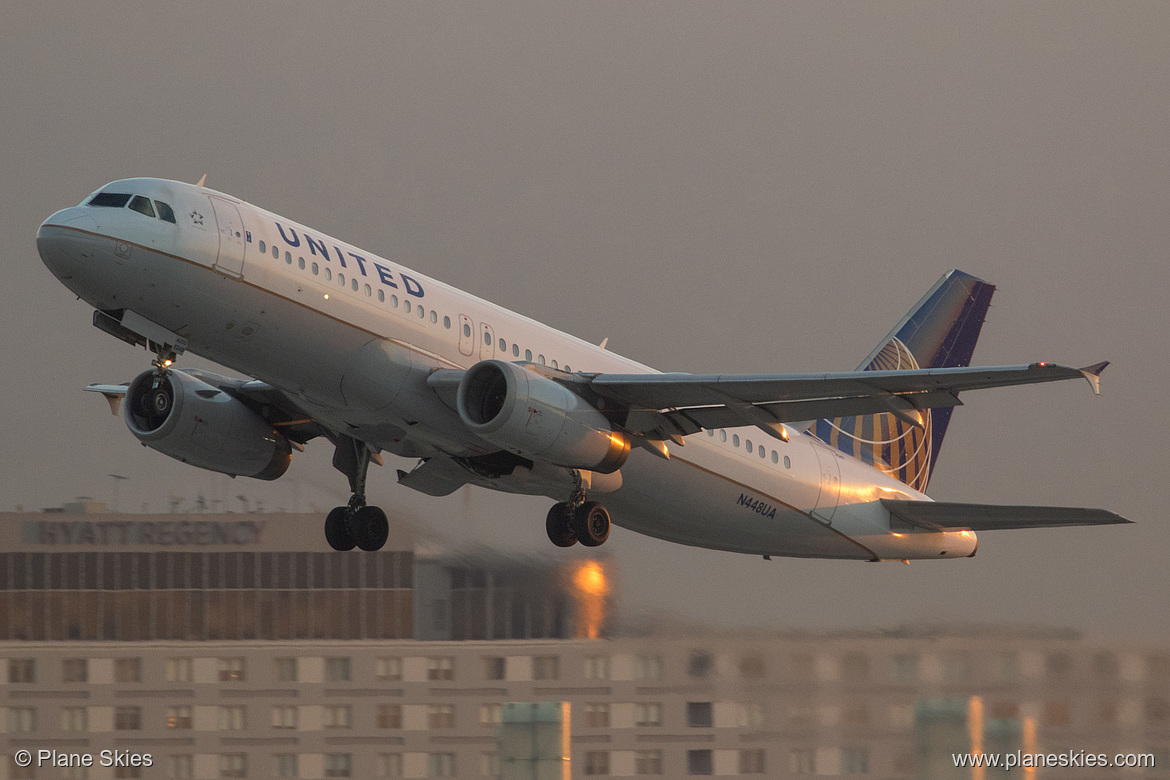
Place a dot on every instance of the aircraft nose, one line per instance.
(66, 239)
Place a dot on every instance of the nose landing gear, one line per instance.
(355, 524)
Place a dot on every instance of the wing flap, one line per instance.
(953, 516)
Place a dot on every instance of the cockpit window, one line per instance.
(142, 206)
(112, 199)
(165, 212)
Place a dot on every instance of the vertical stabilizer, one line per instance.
(939, 332)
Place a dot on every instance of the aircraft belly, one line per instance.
(684, 502)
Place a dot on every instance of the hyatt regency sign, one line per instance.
(141, 532)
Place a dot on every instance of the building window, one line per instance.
(231, 670)
(956, 667)
(22, 720)
(389, 716)
(179, 669)
(855, 761)
(337, 670)
(182, 766)
(648, 714)
(388, 668)
(284, 717)
(597, 667)
(648, 762)
(127, 718)
(179, 717)
(489, 764)
(751, 762)
(441, 716)
(73, 719)
(855, 667)
(287, 765)
(1058, 665)
(233, 765)
(127, 771)
(389, 765)
(647, 667)
(336, 716)
(493, 668)
(906, 669)
(441, 765)
(490, 714)
(801, 762)
(338, 764)
(284, 669)
(232, 719)
(441, 668)
(751, 667)
(128, 670)
(597, 716)
(74, 670)
(700, 664)
(699, 714)
(1105, 665)
(700, 762)
(750, 715)
(597, 762)
(546, 667)
(22, 670)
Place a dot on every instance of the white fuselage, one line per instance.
(351, 338)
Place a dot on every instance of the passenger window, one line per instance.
(775, 457)
(142, 206)
(275, 252)
(165, 212)
(354, 284)
(503, 346)
(381, 296)
(750, 448)
(487, 338)
(762, 451)
(710, 432)
(787, 462)
(515, 350)
(434, 317)
(114, 200)
(735, 440)
(406, 306)
(328, 274)
(528, 355)
(568, 369)
(421, 312)
(301, 263)
(288, 258)
(555, 363)
(394, 301)
(369, 291)
(316, 268)
(263, 247)
(466, 330)
(722, 435)
(540, 359)
(446, 322)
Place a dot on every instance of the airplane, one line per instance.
(377, 358)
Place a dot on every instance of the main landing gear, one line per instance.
(577, 520)
(355, 524)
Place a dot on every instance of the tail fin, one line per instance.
(939, 332)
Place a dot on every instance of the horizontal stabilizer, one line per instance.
(951, 516)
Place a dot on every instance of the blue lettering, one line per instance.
(248, 233)
(340, 257)
(294, 241)
(385, 276)
(315, 245)
(361, 261)
(412, 287)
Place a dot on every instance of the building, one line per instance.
(232, 646)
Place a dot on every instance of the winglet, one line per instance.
(1093, 374)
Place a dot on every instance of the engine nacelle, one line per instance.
(537, 418)
(191, 421)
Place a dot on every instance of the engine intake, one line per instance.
(191, 421)
(537, 418)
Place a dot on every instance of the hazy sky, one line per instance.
(713, 186)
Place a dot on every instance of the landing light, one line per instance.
(326, 296)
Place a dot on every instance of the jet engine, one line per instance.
(537, 418)
(191, 421)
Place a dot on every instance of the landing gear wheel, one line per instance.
(337, 531)
(370, 528)
(559, 525)
(591, 524)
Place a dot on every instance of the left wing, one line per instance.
(952, 516)
(669, 406)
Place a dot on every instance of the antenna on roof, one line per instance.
(604, 341)
(202, 180)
